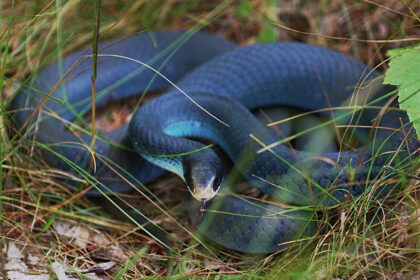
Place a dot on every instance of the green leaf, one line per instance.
(49, 222)
(244, 9)
(267, 33)
(404, 72)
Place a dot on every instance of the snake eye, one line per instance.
(217, 183)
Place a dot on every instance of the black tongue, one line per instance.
(201, 211)
(197, 209)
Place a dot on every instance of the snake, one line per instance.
(210, 88)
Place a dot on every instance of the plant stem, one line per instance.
(97, 16)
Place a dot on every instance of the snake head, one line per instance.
(204, 178)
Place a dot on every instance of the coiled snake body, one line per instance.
(224, 82)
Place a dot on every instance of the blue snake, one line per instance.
(218, 84)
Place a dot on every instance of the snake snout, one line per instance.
(203, 180)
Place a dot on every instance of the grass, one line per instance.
(365, 238)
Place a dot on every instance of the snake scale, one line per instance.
(223, 83)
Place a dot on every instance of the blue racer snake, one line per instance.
(222, 84)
